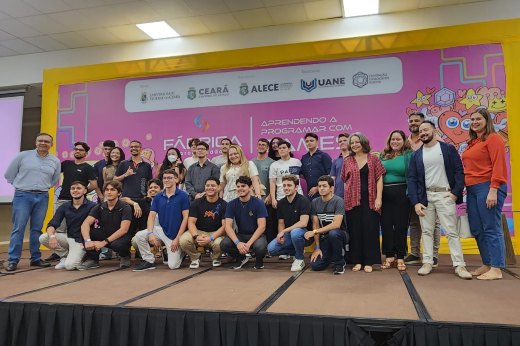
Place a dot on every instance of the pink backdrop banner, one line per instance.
(446, 85)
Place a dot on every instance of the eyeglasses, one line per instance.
(79, 149)
(167, 178)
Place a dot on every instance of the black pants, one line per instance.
(395, 214)
(271, 226)
(363, 226)
(333, 248)
(121, 245)
(259, 247)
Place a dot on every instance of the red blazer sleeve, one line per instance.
(344, 170)
(497, 153)
(379, 168)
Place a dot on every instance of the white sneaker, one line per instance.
(61, 265)
(284, 257)
(195, 264)
(217, 263)
(248, 255)
(297, 265)
(425, 269)
(463, 273)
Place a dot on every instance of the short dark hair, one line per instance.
(346, 135)
(82, 183)
(429, 122)
(326, 178)
(134, 141)
(284, 142)
(310, 134)
(263, 140)
(193, 141)
(45, 134)
(109, 143)
(244, 180)
(115, 184)
(155, 181)
(419, 114)
(225, 139)
(204, 144)
(215, 179)
(171, 171)
(84, 145)
(291, 177)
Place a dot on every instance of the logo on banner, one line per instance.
(200, 123)
(192, 93)
(360, 79)
(310, 86)
(144, 97)
(244, 90)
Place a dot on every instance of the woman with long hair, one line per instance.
(363, 173)
(171, 159)
(395, 211)
(236, 166)
(485, 175)
(115, 157)
(181, 171)
(273, 148)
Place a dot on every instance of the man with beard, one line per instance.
(249, 213)
(415, 119)
(77, 170)
(435, 185)
(134, 173)
(199, 172)
(114, 217)
(263, 163)
(221, 160)
(69, 246)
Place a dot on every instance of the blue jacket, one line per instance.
(416, 175)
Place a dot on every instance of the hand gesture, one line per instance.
(129, 172)
(313, 191)
(90, 245)
(419, 209)
(316, 254)
(53, 243)
(243, 248)
(452, 196)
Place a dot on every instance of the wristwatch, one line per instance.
(314, 231)
(108, 241)
(195, 237)
(52, 236)
(135, 203)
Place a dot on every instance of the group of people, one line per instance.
(256, 208)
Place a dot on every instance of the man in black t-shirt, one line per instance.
(77, 170)
(205, 224)
(108, 145)
(293, 217)
(114, 217)
(134, 173)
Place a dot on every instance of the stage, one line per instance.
(273, 306)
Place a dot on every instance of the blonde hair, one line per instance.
(388, 152)
(244, 169)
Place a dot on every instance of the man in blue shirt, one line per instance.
(337, 165)
(314, 164)
(172, 206)
(69, 246)
(108, 145)
(32, 173)
(250, 216)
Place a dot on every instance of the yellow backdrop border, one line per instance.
(505, 32)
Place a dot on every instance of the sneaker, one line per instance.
(435, 262)
(259, 263)
(284, 257)
(463, 273)
(106, 254)
(124, 262)
(165, 256)
(224, 255)
(268, 255)
(411, 259)
(88, 264)
(239, 262)
(144, 266)
(52, 258)
(217, 263)
(248, 255)
(297, 265)
(195, 264)
(339, 269)
(61, 265)
(425, 269)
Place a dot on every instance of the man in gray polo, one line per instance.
(32, 173)
(199, 172)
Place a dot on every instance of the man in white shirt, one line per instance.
(192, 143)
(221, 160)
(286, 165)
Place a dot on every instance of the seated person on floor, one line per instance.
(293, 217)
(330, 228)
(171, 205)
(69, 246)
(205, 224)
(111, 230)
(250, 215)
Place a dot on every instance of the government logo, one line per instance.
(144, 97)
(360, 79)
(244, 90)
(310, 86)
(192, 93)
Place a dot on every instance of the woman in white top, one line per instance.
(236, 166)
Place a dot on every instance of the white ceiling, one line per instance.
(33, 26)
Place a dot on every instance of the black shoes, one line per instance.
(40, 263)
(239, 262)
(339, 269)
(11, 267)
(259, 263)
(144, 266)
(53, 258)
(411, 259)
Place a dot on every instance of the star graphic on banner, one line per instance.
(472, 99)
(421, 99)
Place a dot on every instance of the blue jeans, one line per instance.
(25, 205)
(333, 248)
(294, 244)
(484, 223)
